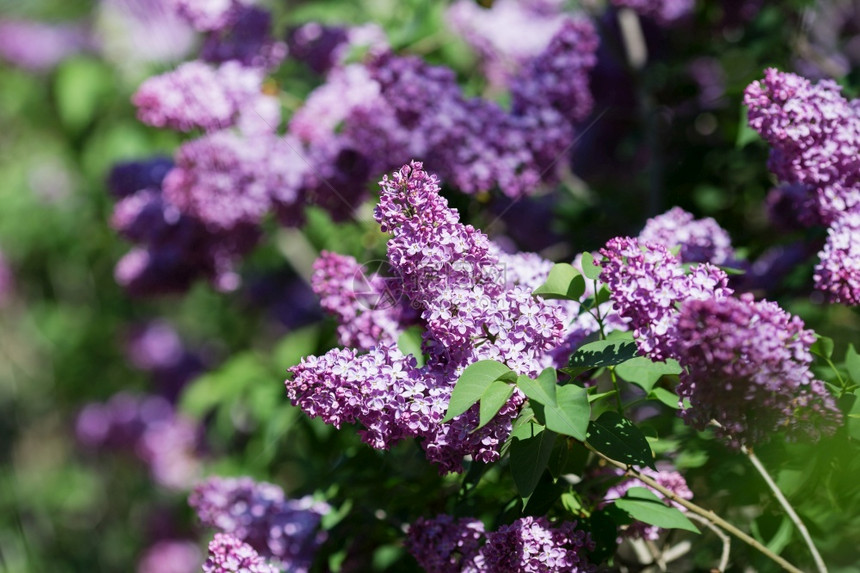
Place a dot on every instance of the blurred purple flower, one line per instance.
(171, 556)
(40, 46)
(287, 531)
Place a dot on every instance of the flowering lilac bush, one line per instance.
(549, 286)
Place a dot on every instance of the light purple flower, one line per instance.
(534, 545)
(451, 278)
(747, 366)
(209, 15)
(665, 12)
(445, 544)
(368, 306)
(647, 282)
(505, 36)
(40, 46)
(283, 530)
(700, 240)
(838, 272)
(171, 556)
(148, 426)
(227, 554)
(196, 95)
(226, 180)
(814, 133)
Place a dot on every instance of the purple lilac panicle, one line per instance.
(209, 15)
(227, 554)
(174, 249)
(283, 530)
(647, 282)
(445, 544)
(664, 12)
(814, 133)
(226, 180)
(701, 241)
(838, 272)
(196, 95)
(40, 46)
(171, 556)
(150, 427)
(505, 36)
(450, 274)
(368, 308)
(746, 365)
(534, 545)
(248, 41)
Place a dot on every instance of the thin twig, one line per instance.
(706, 514)
(792, 515)
(727, 541)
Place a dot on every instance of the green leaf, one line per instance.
(853, 421)
(852, 364)
(564, 282)
(81, 86)
(293, 347)
(544, 496)
(641, 504)
(570, 414)
(542, 390)
(589, 268)
(472, 384)
(528, 461)
(602, 353)
(409, 342)
(746, 134)
(592, 398)
(492, 400)
(822, 346)
(669, 398)
(617, 437)
(644, 372)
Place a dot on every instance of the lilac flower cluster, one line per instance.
(41, 46)
(814, 134)
(701, 241)
(209, 15)
(668, 478)
(368, 309)
(445, 544)
(448, 278)
(838, 273)
(196, 95)
(174, 248)
(664, 12)
(285, 531)
(227, 554)
(171, 556)
(647, 282)
(528, 545)
(247, 41)
(746, 366)
(745, 363)
(227, 181)
(149, 426)
(156, 348)
(131, 33)
(507, 35)
(395, 108)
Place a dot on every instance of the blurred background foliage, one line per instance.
(659, 136)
